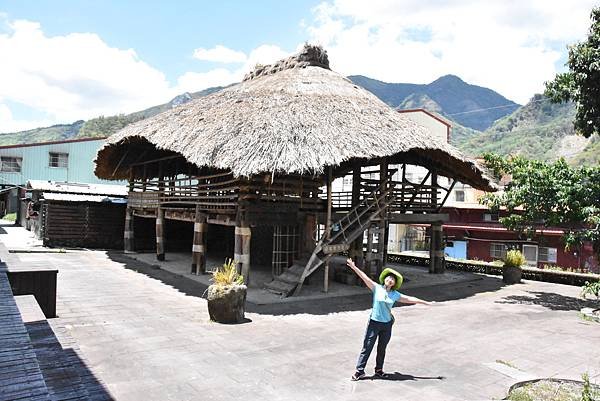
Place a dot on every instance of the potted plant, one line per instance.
(227, 295)
(511, 271)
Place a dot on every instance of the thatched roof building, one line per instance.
(296, 116)
(256, 156)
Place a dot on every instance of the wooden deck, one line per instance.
(20, 374)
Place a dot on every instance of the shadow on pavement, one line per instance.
(397, 376)
(65, 374)
(549, 300)
(438, 293)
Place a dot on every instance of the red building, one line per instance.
(473, 232)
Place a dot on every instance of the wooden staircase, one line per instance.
(343, 232)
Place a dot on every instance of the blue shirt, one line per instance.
(382, 303)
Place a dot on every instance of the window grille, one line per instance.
(547, 255)
(10, 164)
(490, 217)
(285, 248)
(460, 196)
(498, 251)
(60, 160)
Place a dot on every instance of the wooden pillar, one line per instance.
(328, 226)
(310, 227)
(434, 189)
(357, 246)
(199, 243)
(128, 234)
(383, 224)
(242, 245)
(437, 262)
(160, 239)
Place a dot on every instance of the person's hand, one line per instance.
(350, 263)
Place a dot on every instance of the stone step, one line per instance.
(280, 288)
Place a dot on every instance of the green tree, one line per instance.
(543, 195)
(581, 84)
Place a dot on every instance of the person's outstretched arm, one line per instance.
(405, 299)
(366, 279)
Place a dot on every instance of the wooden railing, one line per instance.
(223, 191)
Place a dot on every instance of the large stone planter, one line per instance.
(226, 304)
(511, 275)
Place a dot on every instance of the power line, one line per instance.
(496, 107)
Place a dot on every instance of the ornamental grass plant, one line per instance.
(227, 274)
(514, 258)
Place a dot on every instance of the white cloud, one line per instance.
(220, 54)
(9, 124)
(509, 46)
(79, 76)
(194, 81)
(76, 76)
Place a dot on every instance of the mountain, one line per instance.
(57, 132)
(459, 133)
(96, 127)
(539, 130)
(471, 106)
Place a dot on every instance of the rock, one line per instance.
(226, 304)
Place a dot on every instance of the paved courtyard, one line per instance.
(145, 333)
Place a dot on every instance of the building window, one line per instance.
(59, 160)
(10, 164)
(459, 196)
(490, 217)
(547, 255)
(498, 251)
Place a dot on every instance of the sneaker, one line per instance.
(379, 373)
(357, 375)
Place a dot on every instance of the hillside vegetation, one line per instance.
(539, 130)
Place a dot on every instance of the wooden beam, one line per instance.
(447, 195)
(120, 161)
(429, 218)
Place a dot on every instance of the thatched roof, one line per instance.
(296, 116)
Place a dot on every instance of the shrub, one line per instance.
(227, 274)
(514, 258)
(591, 288)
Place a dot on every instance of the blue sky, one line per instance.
(69, 60)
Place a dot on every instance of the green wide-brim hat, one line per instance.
(387, 271)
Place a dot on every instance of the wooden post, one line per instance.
(242, 245)
(328, 226)
(199, 243)
(357, 246)
(382, 242)
(434, 190)
(436, 250)
(160, 239)
(128, 234)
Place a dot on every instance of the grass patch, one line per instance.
(510, 365)
(10, 217)
(556, 390)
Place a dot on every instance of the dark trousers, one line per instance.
(375, 330)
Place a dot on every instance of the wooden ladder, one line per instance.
(343, 232)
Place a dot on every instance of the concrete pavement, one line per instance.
(145, 332)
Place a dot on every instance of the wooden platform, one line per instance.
(20, 374)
